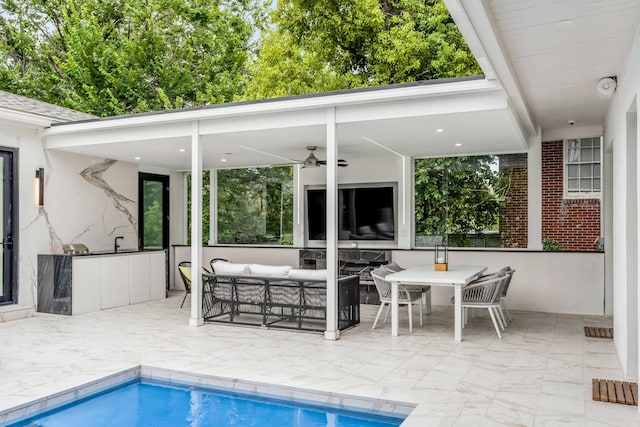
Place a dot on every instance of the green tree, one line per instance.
(152, 194)
(457, 196)
(321, 45)
(111, 57)
(255, 205)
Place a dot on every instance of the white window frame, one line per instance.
(565, 170)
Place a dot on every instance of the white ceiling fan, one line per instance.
(310, 162)
(313, 162)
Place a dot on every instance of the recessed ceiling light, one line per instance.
(136, 158)
(228, 154)
(458, 144)
(439, 130)
(223, 160)
(181, 150)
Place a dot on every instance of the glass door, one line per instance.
(8, 290)
(153, 211)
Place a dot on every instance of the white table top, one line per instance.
(457, 274)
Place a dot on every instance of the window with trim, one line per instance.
(255, 205)
(582, 172)
(471, 201)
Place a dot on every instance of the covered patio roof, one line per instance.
(474, 116)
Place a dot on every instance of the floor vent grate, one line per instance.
(598, 332)
(615, 391)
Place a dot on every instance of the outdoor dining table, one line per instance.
(457, 276)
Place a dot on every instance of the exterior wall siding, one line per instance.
(574, 223)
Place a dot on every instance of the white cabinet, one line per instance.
(139, 278)
(85, 291)
(157, 275)
(114, 281)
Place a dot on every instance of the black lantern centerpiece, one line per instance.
(441, 256)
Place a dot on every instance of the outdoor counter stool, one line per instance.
(184, 268)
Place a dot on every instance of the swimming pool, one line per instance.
(145, 402)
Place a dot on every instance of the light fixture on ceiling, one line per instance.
(181, 150)
(136, 158)
(458, 144)
(606, 86)
(223, 160)
(439, 130)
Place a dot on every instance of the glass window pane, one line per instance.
(586, 155)
(572, 171)
(573, 150)
(255, 206)
(585, 184)
(596, 154)
(585, 171)
(596, 184)
(596, 170)
(153, 215)
(572, 184)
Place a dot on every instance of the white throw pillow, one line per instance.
(305, 274)
(230, 268)
(277, 271)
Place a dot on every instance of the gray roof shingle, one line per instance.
(23, 104)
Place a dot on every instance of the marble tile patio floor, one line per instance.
(539, 374)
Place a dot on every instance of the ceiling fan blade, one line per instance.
(341, 162)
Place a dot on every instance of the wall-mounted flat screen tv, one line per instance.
(364, 213)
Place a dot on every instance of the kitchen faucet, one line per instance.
(115, 243)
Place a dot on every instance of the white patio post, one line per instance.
(213, 206)
(196, 226)
(332, 332)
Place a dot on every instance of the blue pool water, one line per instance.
(151, 404)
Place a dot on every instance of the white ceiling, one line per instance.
(560, 49)
(474, 117)
(542, 60)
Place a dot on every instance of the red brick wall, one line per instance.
(514, 215)
(574, 223)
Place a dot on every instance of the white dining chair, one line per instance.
(485, 293)
(405, 297)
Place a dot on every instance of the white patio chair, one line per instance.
(504, 311)
(405, 297)
(393, 267)
(485, 293)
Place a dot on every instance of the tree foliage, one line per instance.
(458, 196)
(256, 205)
(322, 45)
(111, 57)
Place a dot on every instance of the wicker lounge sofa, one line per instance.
(276, 296)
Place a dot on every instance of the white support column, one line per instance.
(534, 184)
(196, 226)
(332, 332)
(298, 207)
(213, 206)
(405, 204)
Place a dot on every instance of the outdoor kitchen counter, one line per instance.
(82, 283)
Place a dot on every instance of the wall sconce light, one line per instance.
(39, 187)
(441, 255)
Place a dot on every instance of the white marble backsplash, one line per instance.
(89, 200)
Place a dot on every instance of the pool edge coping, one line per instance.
(342, 401)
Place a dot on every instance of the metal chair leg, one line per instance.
(184, 299)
